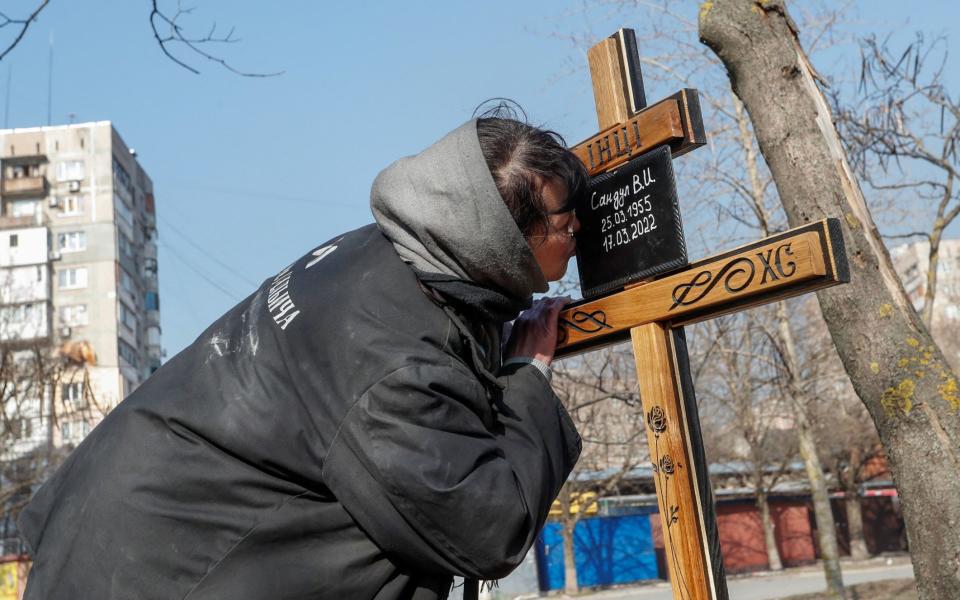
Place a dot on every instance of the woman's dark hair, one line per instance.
(522, 157)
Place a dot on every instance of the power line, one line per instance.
(6, 109)
(207, 254)
(263, 195)
(50, 84)
(205, 276)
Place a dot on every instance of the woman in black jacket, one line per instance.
(350, 430)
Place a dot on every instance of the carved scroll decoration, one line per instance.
(737, 274)
(584, 322)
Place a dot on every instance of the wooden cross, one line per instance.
(651, 311)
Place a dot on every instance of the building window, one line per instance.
(152, 301)
(21, 428)
(74, 315)
(127, 283)
(123, 211)
(127, 317)
(121, 179)
(23, 208)
(21, 171)
(68, 279)
(72, 241)
(149, 266)
(73, 397)
(71, 205)
(70, 170)
(14, 240)
(128, 386)
(128, 353)
(125, 245)
(20, 313)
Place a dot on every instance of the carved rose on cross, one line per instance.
(666, 464)
(657, 419)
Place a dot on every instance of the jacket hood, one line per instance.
(443, 213)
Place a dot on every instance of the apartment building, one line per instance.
(78, 273)
(911, 262)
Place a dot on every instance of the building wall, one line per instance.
(741, 537)
(24, 282)
(911, 262)
(741, 534)
(609, 550)
(31, 246)
(883, 527)
(742, 540)
(98, 245)
(794, 532)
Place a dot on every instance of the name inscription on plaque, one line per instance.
(630, 225)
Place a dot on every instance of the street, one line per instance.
(766, 587)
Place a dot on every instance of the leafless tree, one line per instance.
(875, 329)
(748, 419)
(19, 26)
(902, 132)
(46, 400)
(600, 392)
(849, 445)
(48, 403)
(736, 200)
(177, 42)
(846, 438)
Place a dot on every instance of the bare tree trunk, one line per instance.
(826, 527)
(49, 397)
(858, 545)
(878, 335)
(769, 534)
(933, 263)
(568, 523)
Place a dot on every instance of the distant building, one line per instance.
(911, 262)
(78, 273)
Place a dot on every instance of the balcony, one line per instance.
(153, 318)
(36, 220)
(24, 187)
(23, 324)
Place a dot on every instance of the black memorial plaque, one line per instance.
(630, 225)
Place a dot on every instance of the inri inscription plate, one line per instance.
(630, 225)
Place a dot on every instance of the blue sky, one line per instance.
(251, 173)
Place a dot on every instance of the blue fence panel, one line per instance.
(608, 550)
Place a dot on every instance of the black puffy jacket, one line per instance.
(329, 437)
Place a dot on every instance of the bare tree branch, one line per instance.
(24, 24)
(905, 119)
(175, 34)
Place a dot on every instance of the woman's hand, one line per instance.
(534, 333)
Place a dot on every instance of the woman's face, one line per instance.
(553, 243)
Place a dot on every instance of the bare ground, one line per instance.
(891, 589)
